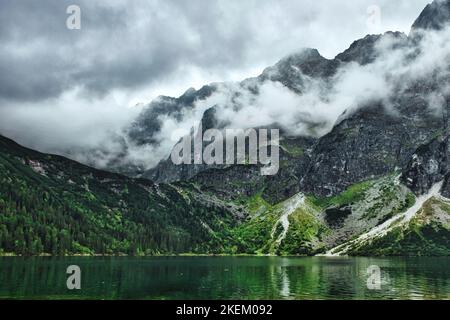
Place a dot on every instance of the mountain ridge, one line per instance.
(377, 165)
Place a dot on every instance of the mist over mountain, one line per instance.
(304, 94)
(435, 16)
(307, 95)
(102, 84)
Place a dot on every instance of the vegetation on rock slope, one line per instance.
(52, 205)
(49, 204)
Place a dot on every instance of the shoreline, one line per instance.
(5, 255)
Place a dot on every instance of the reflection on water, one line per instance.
(225, 278)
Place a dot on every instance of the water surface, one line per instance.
(224, 278)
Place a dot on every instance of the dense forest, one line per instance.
(49, 204)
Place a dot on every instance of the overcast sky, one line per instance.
(60, 84)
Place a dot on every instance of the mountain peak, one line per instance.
(434, 17)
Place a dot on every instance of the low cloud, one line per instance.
(402, 64)
(72, 92)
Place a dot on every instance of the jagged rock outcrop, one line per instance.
(367, 144)
(295, 70)
(434, 17)
(364, 51)
(166, 171)
(429, 165)
(149, 122)
(237, 181)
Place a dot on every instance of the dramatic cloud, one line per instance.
(401, 64)
(62, 90)
(137, 43)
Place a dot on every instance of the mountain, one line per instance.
(295, 73)
(53, 205)
(50, 204)
(363, 144)
(374, 182)
(434, 17)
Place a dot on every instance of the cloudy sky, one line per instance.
(61, 86)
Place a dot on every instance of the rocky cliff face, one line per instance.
(377, 139)
(434, 17)
(295, 72)
(367, 142)
(363, 51)
(143, 130)
(238, 181)
(428, 165)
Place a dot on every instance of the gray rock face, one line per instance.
(291, 71)
(363, 51)
(294, 70)
(428, 165)
(233, 182)
(368, 144)
(445, 191)
(295, 158)
(434, 17)
(143, 130)
(166, 171)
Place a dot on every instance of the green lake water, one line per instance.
(224, 278)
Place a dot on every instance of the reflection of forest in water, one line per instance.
(225, 278)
